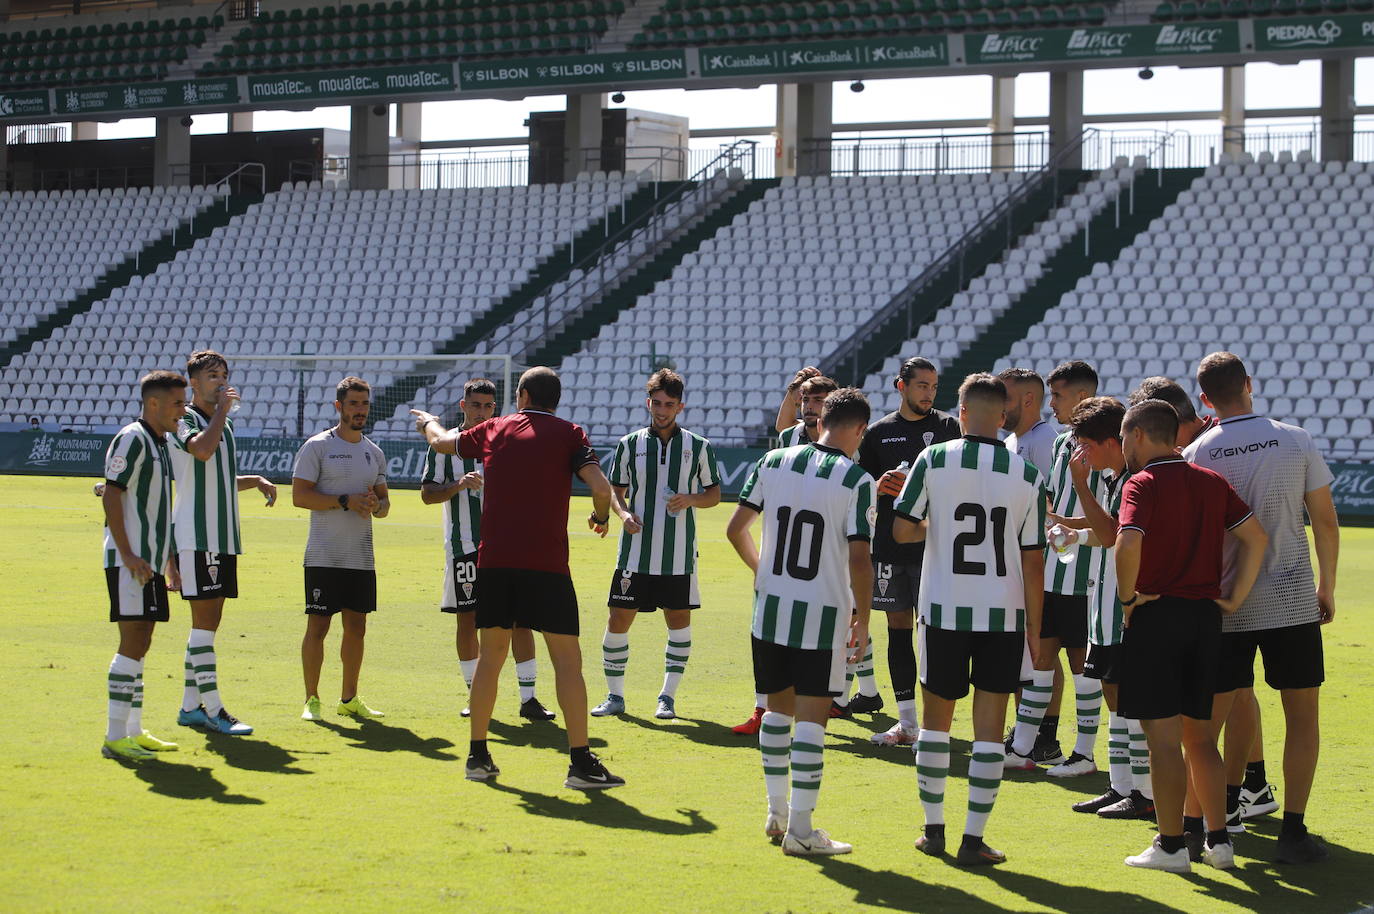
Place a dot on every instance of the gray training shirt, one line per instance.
(340, 539)
(1272, 466)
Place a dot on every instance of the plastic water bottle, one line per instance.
(666, 492)
(1062, 540)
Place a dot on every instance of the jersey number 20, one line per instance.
(791, 532)
(977, 535)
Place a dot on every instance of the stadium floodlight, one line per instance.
(1146, 73)
(856, 86)
(618, 98)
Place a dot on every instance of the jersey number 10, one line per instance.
(977, 535)
(791, 532)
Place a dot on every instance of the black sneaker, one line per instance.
(978, 855)
(1306, 849)
(480, 769)
(591, 775)
(1136, 806)
(1109, 798)
(931, 844)
(533, 710)
(838, 710)
(1047, 752)
(865, 704)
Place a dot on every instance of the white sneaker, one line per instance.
(1257, 802)
(1154, 858)
(816, 844)
(1072, 767)
(1221, 857)
(774, 827)
(1015, 761)
(897, 735)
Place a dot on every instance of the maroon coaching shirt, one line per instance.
(1183, 511)
(529, 459)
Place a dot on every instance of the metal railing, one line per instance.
(240, 179)
(848, 354)
(464, 167)
(16, 134)
(942, 153)
(601, 271)
(124, 176)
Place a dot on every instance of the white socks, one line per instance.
(808, 742)
(984, 779)
(1030, 713)
(123, 673)
(1119, 754)
(775, 739)
(525, 672)
(675, 658)
(615, 654)
(202, 681)
(1088, 700)
(469, 669)
(932, 770)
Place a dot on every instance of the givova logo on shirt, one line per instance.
(1251, 448)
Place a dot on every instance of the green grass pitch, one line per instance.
(342, 817)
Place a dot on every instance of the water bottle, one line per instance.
(1062, 540)
(666, 492)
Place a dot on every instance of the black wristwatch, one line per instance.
(599, 521)
(1135, 598)
(343, 502)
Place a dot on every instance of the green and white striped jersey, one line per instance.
(1071, 578)
(136, 462)
(205, 516)
(652, 472)
(791, 437)
(814, 501)
(984, 506)
(1105, 617)
(462, 512)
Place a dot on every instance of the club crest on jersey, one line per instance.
(872, 515)
(316, 594)
(467, 591)
(117, 464)
(882, 586)
(213, 572)
(625, 581)
(927, 437)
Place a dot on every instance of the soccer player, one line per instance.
(1028, 434)
(660, 475)
(814, 568)
(205, 517)
(1065, 621)
(808, 390)
(1276, 468)
(1096, 426)
(340, 478)
(981, 511)
(891, 446)
(456, 483)
(1174, 519)
(1190, 425)
(138, 551)
(529, 460)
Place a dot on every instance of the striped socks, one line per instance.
(1088, 698)
(1140, 759)
(1119, 754)
(675, 658)
(120, 681)
(134, 725)
(615, 653)
(525, 672)
(775, 739)
(1035, 698)
(808, 742)
(984, 779)
(201, 673)
(932, 769)
(864, 671)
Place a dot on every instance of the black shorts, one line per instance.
(809, 673)
(1170, 660)
(1293, 658)
(649, 592)
(952, 660)
(1104, 663)
(460, 584)
(132, 602)
(328, 590)
(208, 575)
(542, 601)
(896, 586)
(1065, 617)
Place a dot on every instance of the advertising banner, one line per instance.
(584, 68)
(183, 93)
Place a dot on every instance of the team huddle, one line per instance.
(1156, 549)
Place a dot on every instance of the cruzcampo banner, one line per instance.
(898, 52)
(1314, 32)
(347, 83)
(583, 68)
(1104, 43)
(32, 103)
(182, 93)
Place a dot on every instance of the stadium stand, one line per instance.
(116, 51)
(327, 270)
(1186, 10)
(761, 298)
(1270, 259)
(411, 32)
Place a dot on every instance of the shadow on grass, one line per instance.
(253, 754)
(1341, 882)
(380, 737)
(599, 807)
(924, 891)
(702, 732)
(188, 782)
(538, 734)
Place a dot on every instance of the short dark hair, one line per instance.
(1097, 419)
(1076, 374)
(983, 387)
(156, 382)
(204, 360)
(1221, 376)
(543, 385)
(350, 383)
(819, 384)
(666, 380)
(1161, 388)
(911, 366)
(1156, 418)
(479, 386)
(1010, 376)
(845, 406)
